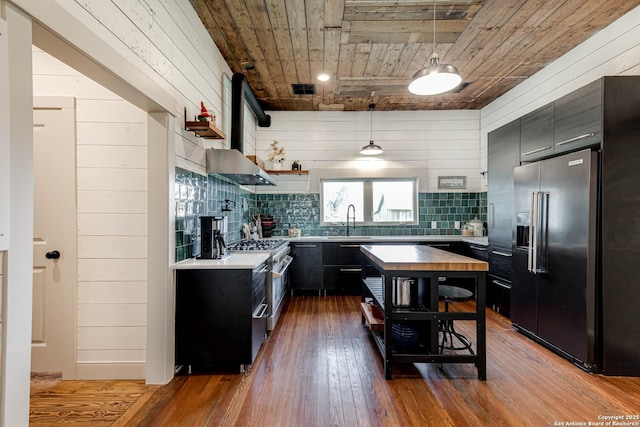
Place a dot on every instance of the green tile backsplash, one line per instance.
(197, 195)
(303, 211)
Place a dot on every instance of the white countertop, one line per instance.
(235, 261)
(484, 241)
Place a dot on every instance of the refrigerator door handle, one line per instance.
(543, 224)
(533, 223)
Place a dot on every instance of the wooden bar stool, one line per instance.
(449, 294)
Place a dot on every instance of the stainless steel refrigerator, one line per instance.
(554, 290)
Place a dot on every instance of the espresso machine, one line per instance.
(213, 230)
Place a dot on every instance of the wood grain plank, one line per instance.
(320, 367)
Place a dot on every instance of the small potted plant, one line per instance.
(277, 156)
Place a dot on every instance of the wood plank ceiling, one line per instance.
(371, 48)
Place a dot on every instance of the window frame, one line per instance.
(368, 202)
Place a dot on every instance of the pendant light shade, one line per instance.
(371, 149)
(436, 78)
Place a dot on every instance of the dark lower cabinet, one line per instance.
(220, 317)
(499, 295)
(342, 267)
(306, 267)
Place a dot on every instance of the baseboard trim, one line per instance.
(110, 371)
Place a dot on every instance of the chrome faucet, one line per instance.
(354, 217)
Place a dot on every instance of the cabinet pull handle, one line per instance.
(501, 253)
(305, 246)
(537, 150)
(442, 245)
(262, 307)
(351, 270)
(476, 248)
(491, 216)
(501, 284)
(586, 135)
(264, 269)
(349, 246)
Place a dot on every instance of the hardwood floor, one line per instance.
(320, 367)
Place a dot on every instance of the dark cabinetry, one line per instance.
(306, 267)
(504, 148)
(503, 155)
(578, 119)
(536, 134)
(342, 267)
(220, 317)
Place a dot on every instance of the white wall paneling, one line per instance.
(112, 182)
(435, 143)
(4, 138)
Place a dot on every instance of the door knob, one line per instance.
(52, 255)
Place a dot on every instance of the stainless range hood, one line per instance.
(233, 165)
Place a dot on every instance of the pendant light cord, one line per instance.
(434, 26)
(371, 107)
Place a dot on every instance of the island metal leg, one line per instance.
(481, 334)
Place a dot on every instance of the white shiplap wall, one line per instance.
(431, 143)
(112, 219)
(613, 51)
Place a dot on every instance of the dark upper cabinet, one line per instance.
(503, 155)
(536, 134)
(306, 267)
(578, 119)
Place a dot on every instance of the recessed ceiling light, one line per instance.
(323, 77)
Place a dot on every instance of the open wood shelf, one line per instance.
(286, 172)
(205, 129)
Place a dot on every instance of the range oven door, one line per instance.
(279, 290)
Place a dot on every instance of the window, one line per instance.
(377, 201)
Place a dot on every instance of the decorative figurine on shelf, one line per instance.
(295, 166)
(277, 155)
(204, 115)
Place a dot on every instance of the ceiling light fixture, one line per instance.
(323, 77)
(436, 78)
(371, 149)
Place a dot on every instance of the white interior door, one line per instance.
(54, 237)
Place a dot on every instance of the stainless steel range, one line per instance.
(278, 278)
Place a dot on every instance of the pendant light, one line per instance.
(371, 149)
(436, 78)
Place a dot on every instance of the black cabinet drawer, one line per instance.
(341, 253)
(479, 252)
(499, 295)
(344, 278)
(500, 262)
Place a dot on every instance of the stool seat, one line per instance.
(449, 294)
(454, 293)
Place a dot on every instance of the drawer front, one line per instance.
(500, 262)
(499, 295)
(341, 253)
(479, 252)
(345, 278)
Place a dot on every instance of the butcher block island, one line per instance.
(407, 294)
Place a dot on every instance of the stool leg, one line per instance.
(447, 328)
